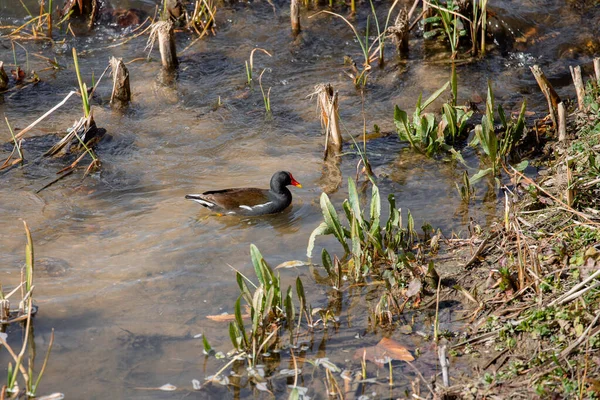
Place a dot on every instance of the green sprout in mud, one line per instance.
(271, 308)
(421, 133)
(450, 23)
(496, 149)
(374, 249)
(250, 65)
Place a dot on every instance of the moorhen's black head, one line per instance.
(281, 179)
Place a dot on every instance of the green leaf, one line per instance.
(430, 20)
(375, 209)
(268, 304)
(434, 96)
(326, 261)
(237, 311)
(354, 200)
(394, 217)
(477, 177)
(234, 336)
(290, 311)
(522, 165)
(457, 156)
(301, 294)
(431, 33)
(450, 114)
(322, 229)
(207, 348)
(356, 245)
(243, 288)
(401, 121)
(257, 262)
(257, 308)
(502, 116)
(332, 220)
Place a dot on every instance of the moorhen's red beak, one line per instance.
(295, 182)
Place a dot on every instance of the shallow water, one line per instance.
(128, 270)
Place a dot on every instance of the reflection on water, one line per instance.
(128, 269)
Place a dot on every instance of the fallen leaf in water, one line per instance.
(196, 384)
(53, 396)
(226, 317)
(414, 288)
(384, 351)
(291, 264)
(168, 388)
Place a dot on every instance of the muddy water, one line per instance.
(128, 270)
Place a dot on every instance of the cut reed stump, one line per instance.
(579, 88)
(295, 16)
(399, 32)
(3, 77)
(551, 95)
(330, 119)
(597, 68)
(121, 93)
(163, 32)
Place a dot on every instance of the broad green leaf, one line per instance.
(502, 117)
(477, 177)
(520, 126)
(326, 260)
(375, 209)
(522, 165)
(332, 220)
(356, 245)
(257, 260)
(434, 96)
(257, 307)
(450, 115)
(268, 304)
(233, 335)
(301, 294)
(322, 229)
(290, 311)
(354, 200)
(238, 320)
(243, 288)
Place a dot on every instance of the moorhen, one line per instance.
(250, 201)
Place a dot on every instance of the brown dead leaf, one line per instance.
(387, 349)
(226, 317)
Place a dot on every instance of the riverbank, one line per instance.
(529, 284)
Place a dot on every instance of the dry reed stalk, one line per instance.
(444, 364)
(163, 32)
(295, 16)
(562, 122)
(40, 119)
(3, 77)
(570, 191)
(551, 95)
(330, 119)
(121, 92)
(579, 88)
(400, 31)
(597, 68)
